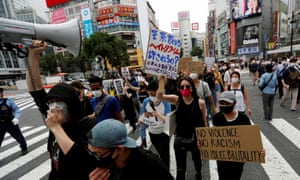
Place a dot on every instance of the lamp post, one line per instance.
(292, 32)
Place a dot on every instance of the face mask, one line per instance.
(292, 64)
(185, 92)
(235, 80)
(97, 93)
(232, 65)
(105, 162)
(60, 106)
(153, 98)
(226, 109)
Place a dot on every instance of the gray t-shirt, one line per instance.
(203, 90)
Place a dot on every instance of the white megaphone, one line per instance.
(67, 35)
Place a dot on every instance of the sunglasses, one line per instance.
(186, 86)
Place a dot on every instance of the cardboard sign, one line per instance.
(190, 65)
(163, 54)
(231, 143)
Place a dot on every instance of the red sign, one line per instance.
(174, 25)
(58, 16)
(51, 3)
(232, 37)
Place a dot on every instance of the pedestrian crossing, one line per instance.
(36, 164)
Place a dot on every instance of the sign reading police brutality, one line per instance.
(163, 54)
(231, 143)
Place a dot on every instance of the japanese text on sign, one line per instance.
(163, 54)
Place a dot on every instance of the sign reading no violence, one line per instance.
(231, 143)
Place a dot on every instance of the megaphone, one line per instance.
(67, 35)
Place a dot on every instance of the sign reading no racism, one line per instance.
(163, 54)
(231, 143)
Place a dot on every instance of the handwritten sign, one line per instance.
(163, 54)
(231, 143)
(190, 65)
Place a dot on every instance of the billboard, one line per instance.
(58, 16)
(51, 3)
(245, 8)
(195, 26)
(250, 34)
(174, 25)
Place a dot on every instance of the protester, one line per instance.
(85, 100)
(153, 113)
(290, 83)
(270, 80)
(9, 121)
(127, 105)
(282, 66)
(191, 113)
(64, 99)
(204, 92)
(226, 78)
(104, 105)
(110, 151)
(252, 69)
(228, 116)
(240, 92)
(219, 87)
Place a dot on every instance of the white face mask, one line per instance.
(232, 65)
(97, 93)
(153, 98)
(62, 107)
(235, 80)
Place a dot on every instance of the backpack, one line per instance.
(242, 88)
(293, 78)
(101, 104)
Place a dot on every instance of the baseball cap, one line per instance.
(227, 96)
(110, 133)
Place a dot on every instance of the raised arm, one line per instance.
(33, 77)
(161, 89)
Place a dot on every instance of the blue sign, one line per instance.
(248, 50)
(88, 28)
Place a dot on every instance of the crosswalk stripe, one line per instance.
(12, 166)
(28, 133)
(28, 105)
(30, 142)
(287, 130)
(21, 101)
(276, 167)
(26, 102)
(38, 172)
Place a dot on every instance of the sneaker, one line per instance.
(24, 151)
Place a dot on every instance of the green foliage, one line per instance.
(196, 51)
(49, 63)
(110, 47)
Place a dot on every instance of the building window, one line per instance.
(7, 59)
(15, 60)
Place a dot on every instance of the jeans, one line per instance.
(143, 128)
(161, 143)
(268, 103)
(181, 147)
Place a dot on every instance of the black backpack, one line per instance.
(6, 113)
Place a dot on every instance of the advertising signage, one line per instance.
(250, 34)
(51, 3)
(245, 8)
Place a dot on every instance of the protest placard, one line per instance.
(125, 72)
(190, 65)
(231, 143)
(163, 54)
(118, 83)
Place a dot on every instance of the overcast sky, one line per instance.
(167, 12)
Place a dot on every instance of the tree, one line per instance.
(110, 47)
(196, 51)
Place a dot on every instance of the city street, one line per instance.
(280, 139)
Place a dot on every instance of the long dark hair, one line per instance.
(191, 82)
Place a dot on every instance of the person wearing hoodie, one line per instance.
(64, 99)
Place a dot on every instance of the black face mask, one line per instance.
(226, 109)
(104, 162)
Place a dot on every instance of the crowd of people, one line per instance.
(88, 138)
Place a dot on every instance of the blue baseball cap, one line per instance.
(110, 133)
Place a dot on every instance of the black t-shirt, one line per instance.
(142, 164)
(220, 120)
